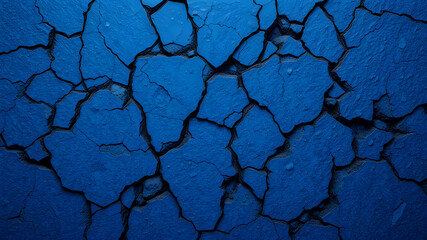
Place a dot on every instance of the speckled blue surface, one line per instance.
(197, 119)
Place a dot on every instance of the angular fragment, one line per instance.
(160, 219)
(413, 8)
(169, 89)
(151, 187)
(36, 151)
(104, 152)
(106, 223)
(407, 152)
(294, 10)
(48, 88)
(292, 185)
(25, 122)
(399, 205)
(395, 66)
(267, 15)
(372, 145)
(240, 208)
(200, 166)
(66, 58)
(97, 60)
(222, 26)
(257, 180)
(314, 231)
(64, 16)
(270, 49)
(66, 109)
(342, 12)
(294, 90)
(224, 101)
(20, 65)
(296, 28)
(21, 26)
(125, 28)
(258, 137)
(321, 37)
(249, 51)
(174, 27)
(35, 206)
(292, 47)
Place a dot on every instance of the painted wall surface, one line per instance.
(226, 119)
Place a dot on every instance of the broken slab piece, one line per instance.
(219, 31)
(294, 91)
(174, 27)
(169, 89)
(321, 37)
(249, 51)
(258, 137)
(224, 101)
(104, 152)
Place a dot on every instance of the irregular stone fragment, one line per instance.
(240, 208)
(97, 60)
(372, 145)
(224, 101)
(64, 16)
(25, 122)
(342, 12)
(414, 8)
(270, 49)
(66, 58)
(106, 223)
(35, 206)
(407, 152)
(314, 231)
(36, 151)
(294, 90)
(159, 219)
(169, 89)
(21, 26)
(267, 15)
(66, 109)
(257, 180)
(294, 10)
(249, 51)
(125, 27)
(199, 166)
(336, 91)
(321, 37)
(151, 187)
(174, 27)
(48, 88)
(394, 68)
(296, 28)
(104, 152)
(292, 47)
(222, 25)
(399, 205)
(20, 65)
(292, 185)
(258, 137)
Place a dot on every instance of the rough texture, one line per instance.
(212, 120)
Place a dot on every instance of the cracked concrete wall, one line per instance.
(229, 119)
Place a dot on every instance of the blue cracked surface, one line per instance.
(241, 119)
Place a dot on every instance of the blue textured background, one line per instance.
(227, 119)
